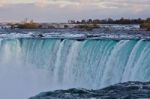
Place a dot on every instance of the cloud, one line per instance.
(63, 10)
(11, 2)
(137, 5)
(41, 3)
(109, 4)
(58, 3)
(2, 2)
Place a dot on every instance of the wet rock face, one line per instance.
(128, 90)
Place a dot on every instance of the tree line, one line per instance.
(110, 21)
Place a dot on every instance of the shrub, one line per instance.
(28, 26)
(66, 26)
(87, 26)
(145, 25)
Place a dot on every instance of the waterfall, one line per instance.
(30, 66)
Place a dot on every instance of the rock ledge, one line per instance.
(128, 90)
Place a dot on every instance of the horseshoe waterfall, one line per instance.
(30, 66)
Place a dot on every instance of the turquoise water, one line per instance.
(30, 66)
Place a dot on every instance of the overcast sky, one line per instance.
(63, 10)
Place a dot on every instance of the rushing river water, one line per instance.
(33, 61)
(32, 65)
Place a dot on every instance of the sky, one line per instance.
(63, 10)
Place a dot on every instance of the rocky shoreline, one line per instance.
(128, 90)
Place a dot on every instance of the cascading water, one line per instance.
(30, 66)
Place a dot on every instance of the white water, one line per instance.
(30, 66)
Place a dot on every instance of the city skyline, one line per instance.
(63, 10)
